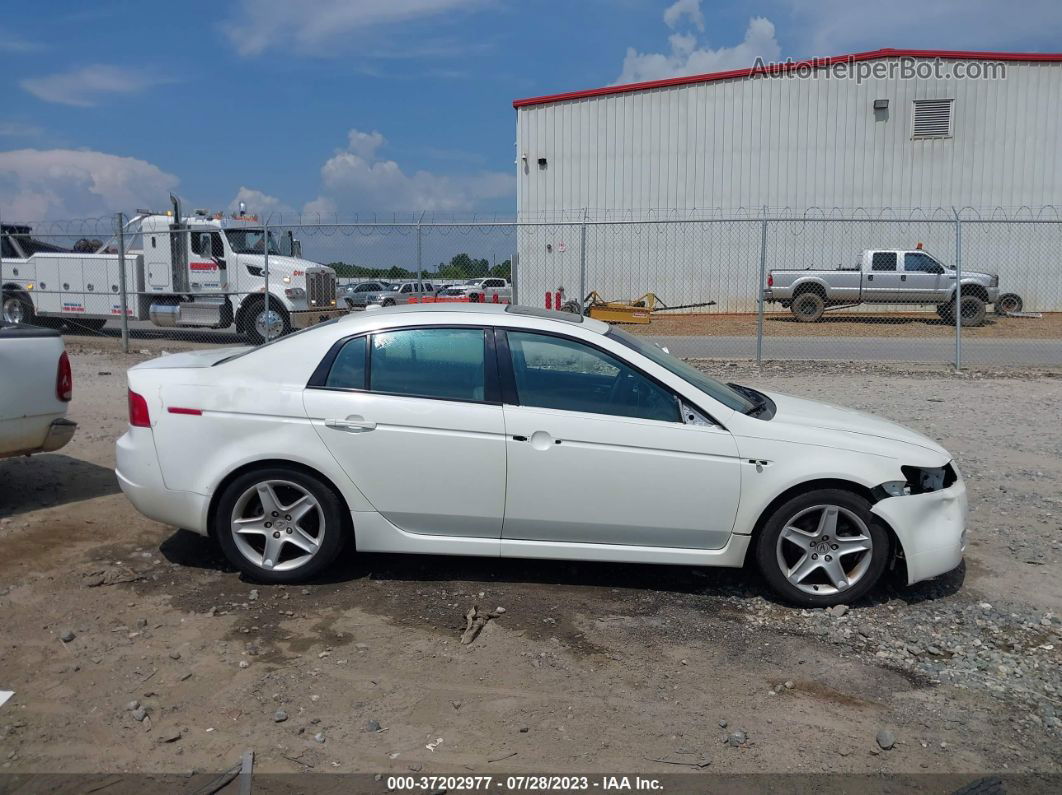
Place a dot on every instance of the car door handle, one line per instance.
(351, 425)
(903, 278)
(519, 438)
(870, 278)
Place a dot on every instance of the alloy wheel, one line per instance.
(269, 325)
(278, 525)
(824, 550)
(14, 310)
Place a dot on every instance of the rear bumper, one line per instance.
(931, 529)
(60, 432)
(310, 317)
(141, 479)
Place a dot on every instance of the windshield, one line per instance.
(716, 389)
(249, 241)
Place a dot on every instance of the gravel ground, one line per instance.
(132, 646)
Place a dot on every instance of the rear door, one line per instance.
(881, 284)
(413, 417)
(598, 453)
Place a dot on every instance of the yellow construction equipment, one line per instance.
(640, 310)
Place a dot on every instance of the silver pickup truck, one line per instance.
(884, 276)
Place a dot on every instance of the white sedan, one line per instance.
(505, 431)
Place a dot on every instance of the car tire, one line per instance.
(973, 310)
(271, 548)
(802, 558)
(1008, 302)
(388, 302)
(808, 307)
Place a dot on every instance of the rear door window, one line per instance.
(446, 363)
(883, 261)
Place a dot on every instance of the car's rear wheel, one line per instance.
(822, 548)
(279, 525)
(808, 307)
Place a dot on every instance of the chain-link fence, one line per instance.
(853, 286)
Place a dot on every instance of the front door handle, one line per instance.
(870, 278)
(903, 278)
(351, 425)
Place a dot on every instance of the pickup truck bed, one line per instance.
(34, 391)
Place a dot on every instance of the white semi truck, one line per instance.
(205, 270)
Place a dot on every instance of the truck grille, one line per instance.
(321, 289)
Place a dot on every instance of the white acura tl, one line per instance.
(513, 432)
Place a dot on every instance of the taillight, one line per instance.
(138, 411)
(64, 379)
(770, 280)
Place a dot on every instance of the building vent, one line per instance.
(932, 118)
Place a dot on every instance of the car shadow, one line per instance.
(878, 320)
(189, 549)
(49, 479)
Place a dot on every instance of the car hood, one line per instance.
(805, 413)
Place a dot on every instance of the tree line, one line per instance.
(460, 266)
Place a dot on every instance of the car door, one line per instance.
(882, 283)
(598, 452)
(923, 277)
(413, 417)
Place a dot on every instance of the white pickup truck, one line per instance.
(35, 390)
(884, 276)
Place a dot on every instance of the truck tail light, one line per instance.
(770, 280)
(64, 379)
(138, 411)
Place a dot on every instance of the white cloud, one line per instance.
(89, 85)
(18, 129)
(40, 184)
(358, 179)
(687, 56)
(684, 9)
(258, 203)
(15, 45)
(312, 25)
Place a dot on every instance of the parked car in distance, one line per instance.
(893, 276)
(35, 390)
(400, 293)
(530, 434)
(356, 296)
(485, 290)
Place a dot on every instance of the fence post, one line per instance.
(1, 266)
(958, 290)
(122, 286)
(265, 272)
(514, 267)
(759, 290)
(582, 261)
(420, 267)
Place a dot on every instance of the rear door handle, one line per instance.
(903, 278)
(351, 425)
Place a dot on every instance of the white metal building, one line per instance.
(904, 129)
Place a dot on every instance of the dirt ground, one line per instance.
(591, 668)
(850, 324)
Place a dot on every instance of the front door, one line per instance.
(924, 277)
(598, 453)
(408, 416)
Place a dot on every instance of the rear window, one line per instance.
(447, 363)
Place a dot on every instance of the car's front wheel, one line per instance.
(822, 548)
(279, 525)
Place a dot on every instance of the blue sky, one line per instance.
(343, 107)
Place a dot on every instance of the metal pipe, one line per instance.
(265, 272)
(958, 292)
(759, 294)
(582, 261)
(124, 300)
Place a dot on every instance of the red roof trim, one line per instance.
(1032, 57)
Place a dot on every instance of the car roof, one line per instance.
(491, 313)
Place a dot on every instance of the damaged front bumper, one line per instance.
(931, 529)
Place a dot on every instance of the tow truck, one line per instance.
(199, 271)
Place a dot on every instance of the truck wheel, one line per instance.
(972, 310)
(822, 548)
(17, 309)
(1008, 302)
(277, 319)
(808, 307)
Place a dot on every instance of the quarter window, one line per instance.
(559, 373)
(348, 370)
(444, 363)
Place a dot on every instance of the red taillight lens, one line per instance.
(770, 280)
(138, 411)
(64, 379)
